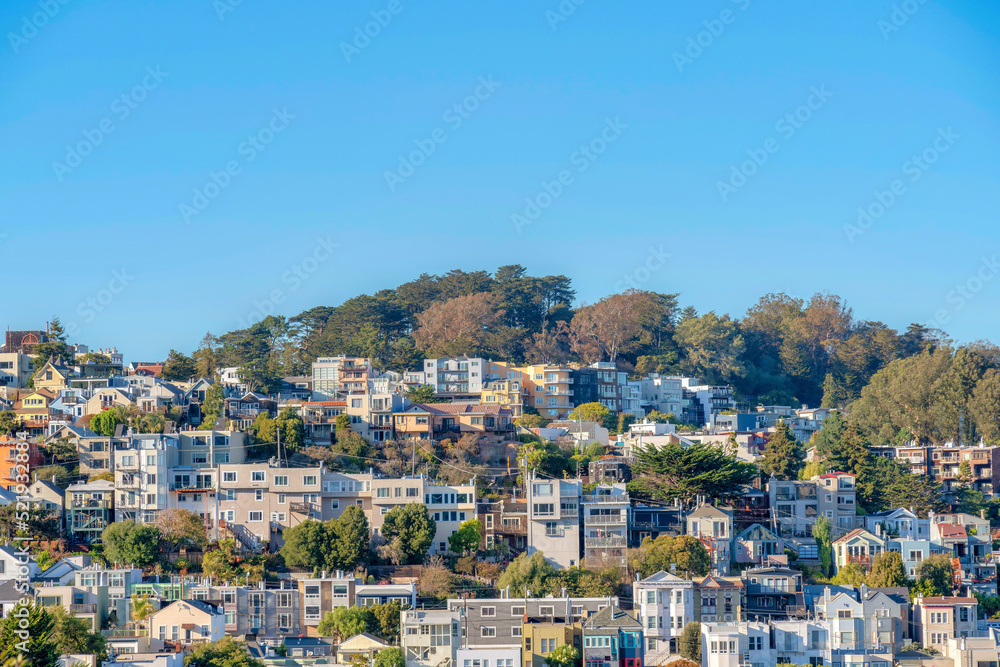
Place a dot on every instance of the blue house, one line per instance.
(612, 637)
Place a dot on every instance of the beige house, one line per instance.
(939, 619)
(108, 397)
(188, 622)
(363, 645)
(52, 376)
(89, 604)
(449, 506)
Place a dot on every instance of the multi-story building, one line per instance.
(663, 394)
(541, 635)
(371, 412)
(857, 547)
(210, 448)
(17, 459)
(436, 421)
(15, 369)
(319, 418)
(714, 528)
(861, 618)
(554, 519)
(612, 636)
(701, 402)
(189, 622)
(665, 604)
(458, 377)
(449, 506)
(773, 592)
(505, 522)
(718, 599)
(430, 638)
(89, 510)
(797, 504)
(605, 524)
(141, 463)
(652, 521)
(967, 538)
(549, 389)
(506, 393)
(333, 376)
(938, 619)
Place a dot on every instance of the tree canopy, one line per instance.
(675, 471)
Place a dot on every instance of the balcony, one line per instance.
(861, 559)
(604, 519)
(606, 499)
(204, 485)
(83, 609)
(604, 542)
(90, 504)
(300, 508)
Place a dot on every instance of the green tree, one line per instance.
(39, 649)
(387, 616)
(142, 608)
(8, 422)
(179, 367)
(887, 571)
(593, 412)
(822, 533)
(414, 527)
(690, 642)
(686, 554)
(46, 473)
(851, 574)
(127, 542)
(106, 421)
(308, 544)
(674, 471)
(936, 571)
(528, 573)
(467, 538)
(828, 437)
(351, 535)
(423, 394)
(783, 454)
(345, 622)
(227, 652)
(564, 655)
(72, 635)
(390, 657)
(213, 406)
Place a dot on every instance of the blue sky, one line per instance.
(330, 122)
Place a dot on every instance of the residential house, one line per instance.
(109, 397)
(759, 545)
(718, 599)
(430, 638)
(858, 546)
(505, 393)
(89, 510)
(554, 519)
(53, 376)
(541, 635)
(714, 528)
(613, 637)
(938, 619)
(15, 369)
(17, 459)
(773, 593)
(605, 524)
(333, 376)
(188, 622)
(437, 421)
(665, 605)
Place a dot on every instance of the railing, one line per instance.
(205, 485)
(860, 559)
(83, 609)
(604, 519)
(598, 542)
(300, 508)
(90, 504)
(606, 499)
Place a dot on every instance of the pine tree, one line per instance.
(37, 623)
(783, 455)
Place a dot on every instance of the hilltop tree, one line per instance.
(887, 570)
(181, 528)
(467, 538)
(527, 573)
(72, 635)
(822, 532)
(783, 454)
(127, 542)
(674, 471)
(686, 554)
(414, 529)
(178, 367)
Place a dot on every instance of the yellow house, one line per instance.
(188, 622)
(32, 411)
(548, 389)
(506, 393)
(52, 376)
(541, 636)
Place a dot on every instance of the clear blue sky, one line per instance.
(68, 228)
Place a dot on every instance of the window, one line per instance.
(281, 499)
(551, 529)
(309, 480)
(546, 611)
(382, 493)
(335, 504)
(515, 631)
(256, 516)
(412, 493)
(489, 631)
(488, 611)
(844, 613)
(281, 480)
(259, 494)
(517, 611)
(228, 476)
(756, 643)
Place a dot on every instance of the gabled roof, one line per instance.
(948, 600)
(756, 533)
(362, 641)
(951, 531)
(457, 409)
(718, 582)
(197, 604)
(662, 576)
(708, 511)
(611, 617)
(859, 533)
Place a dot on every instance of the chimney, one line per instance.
(982, 514)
